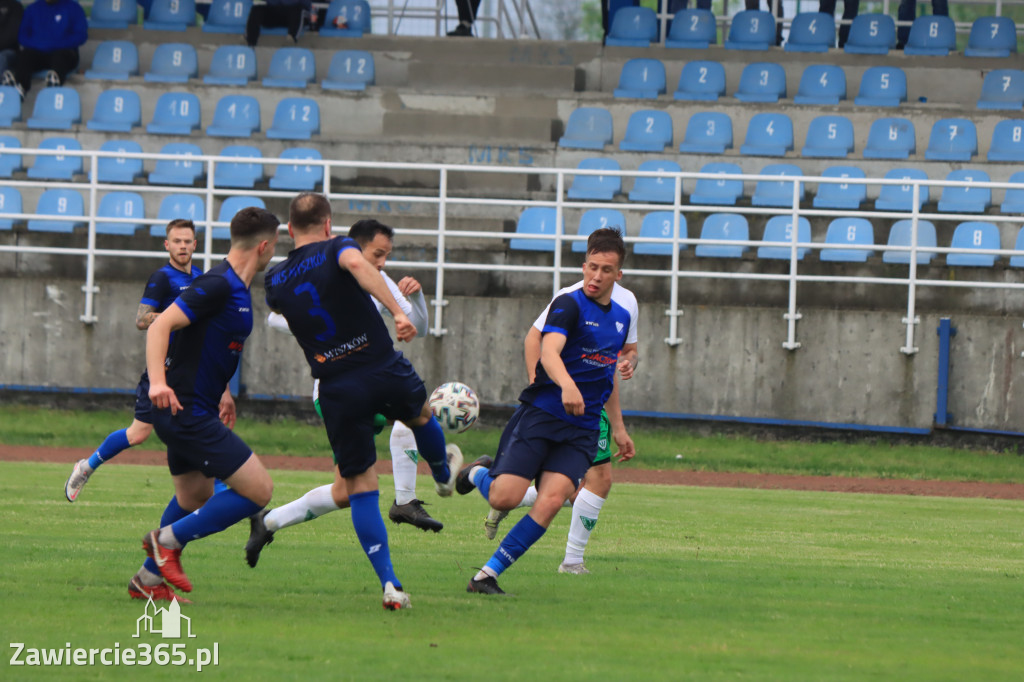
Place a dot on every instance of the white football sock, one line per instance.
(584, 517)
(316, 502)
(148, 577)
(529, 498)
(167, 538)
(404, 456)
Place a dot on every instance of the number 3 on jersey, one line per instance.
(316, 311)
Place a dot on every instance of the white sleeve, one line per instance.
(419, 316)
(538, 324)
(403, 303)
(277, 322)
(634, 315)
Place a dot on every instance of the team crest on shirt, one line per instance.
(619, 327)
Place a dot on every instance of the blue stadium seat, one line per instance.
(597, 187)
(655, 190)
(931, 35)
(1013, 200)
(181, 171)
(174, 206)
(173, 63)
(900, 235)
(298, 176)
(841, 195)
(119, 169)
(346, 19)
(633, 27)
(882, 86)
(952, 139)
(124, 205)
(170, 15)
(235, 116)
(780, 229)
(723, 226)
(238, 174)
(113, 14)
(588, 128)
(966, 199)
(871, 34)
(57, 166)
(1015, 261)
(701, 81)
(291, 67)
(9, 163)
(350, 70)
(641, 79)
(828, 137)
(714, 191)
(227, 16)
(848, 231)
(707, 132)
(535, 220)
(296, 118)
(658, 225)
(648, 130)
(974, 235)
(811, 32)
(116, 111)
(901, 197)
(114, 60)
(232, 65)
(992, 37)
(768, 135)
(778, 193)
(751, 29)
(1002, 89)
(10, 106)
(762, 82)
(229, 208)
(595, 219)
(821, 84)
(56, 108)
(60, 203)
(176, 113)
(1007, 141)
(693, 29)
(10, 202)
(891, 138)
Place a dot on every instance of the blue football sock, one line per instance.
(514, 545)
(110, 447)
(482, 481)
(172, 513)
(219, 486)
(372, 534)
(430, 442)
(221, 511)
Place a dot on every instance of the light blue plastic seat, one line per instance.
(931, 35)
(350, 70)
(57, 108)
(299, 177)
(118, 14)
(723, 226)
(535, 220)
(992, 37)
(718, 191)
(170, 15)
(768, 135)
(659, 225)
(296, 118)
(291, 67)
(178, 171)
(10, 106)
(777, 193)
(232, 65)
(633, 27)
(176, 113)
(891, 138)
(346, 19)
(751, 29)
(655, 190)
(882, 86)
(900, 235)
(10, 163)
(1015, 261)
(125, 205)
(596, 219)
(227, 16)
(707, 132)
(114, 60)
(692, 29)
(10, 202)
(238, 174)
(952, 139)
(58, 166)
(63, 205)
(901, 197)
(173, 63)
(871, 34)
(648, 130)
(780, 229)
(229, 208)
(841, 195)
(1007, 141)
(966, 199)
(828, 137)
(641, 79)
(762, 82)
(821, 84)
(1002, 89)
(596, 187)
(701, 82)
(587, 128)
(119, 169)
(116, 111)
(235, 116)
(1013, 200)
(811, 32)
(173, 206)
(970, 236)
(852, 232)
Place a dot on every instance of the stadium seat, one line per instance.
(10, 202)
(841, 195)
(291, 67)
(1015, 261)
(535, 220)
(116, 111)
(57, 108)
(298, 176)
(238, 174)
(57, 166)
(10, 106)
(811, 32)
(693, 29)
(10, 163)
(118, 14)
(777, 193)
(126, 205)
(633, 27)
(641, 79)
(701, 81)
(178, 171)
(229, 208)
(588, 128)
(952, 139)
(114, 60)
(931, 35)
(891, 138)
(119, 169)
(723, 226)
(974, 235)
(768, 135)
(350, 70)
(1007, 141)
(176, 113)
(713, 191)
(900, 235)
(648, 130)
(848, 231)
(60, 203)
(780, 229)
(882, 86)
(1002, 89)
(1013, 200)
(346, 19)
(966, 199)
(235, 116)
(992, 37)
(296, 118)
(762, 82)
(232, 65)
(227, 16)
(170, 15)
(707, 132)
(655, 190)
(821, 84)
(174, 206)
(173, 63)
(596, 187)
(751, 29)
(828, 137)
(901, 197)
(595, 219)
(659, 225)
(871, 34)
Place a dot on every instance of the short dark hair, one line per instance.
(366, 230)
(181, 223)
(605, 240)
(308, 210)
(252, 225)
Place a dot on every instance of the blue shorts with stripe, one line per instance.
(200, 444)
(535, 441)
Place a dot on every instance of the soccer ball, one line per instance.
(455, 405)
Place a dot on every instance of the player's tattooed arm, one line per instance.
(145, 316)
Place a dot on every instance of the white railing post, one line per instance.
(556, 276)
(439, 301)
(90, 287)
(674, 313)
(911, 319)
(208, 234)
(791, 315)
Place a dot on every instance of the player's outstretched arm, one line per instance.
(628, 360)
(551, 346)
(372, 283)
(531, 349)
(627, 450)
(158, 337)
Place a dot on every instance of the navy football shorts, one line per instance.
(535, 441)
(143, 407)
(201, 444)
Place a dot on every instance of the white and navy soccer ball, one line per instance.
(455, 405)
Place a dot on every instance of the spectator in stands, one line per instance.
(287, 13)
(850, 8)
(467, 15)
(908, 10)
(10, 20)
(49, 37)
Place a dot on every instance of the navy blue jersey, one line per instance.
(205, 354)
(594, 336)
(166, 284)
(331, 316)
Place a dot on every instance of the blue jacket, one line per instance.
(49, 27)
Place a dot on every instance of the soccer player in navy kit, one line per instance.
(212, 320)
